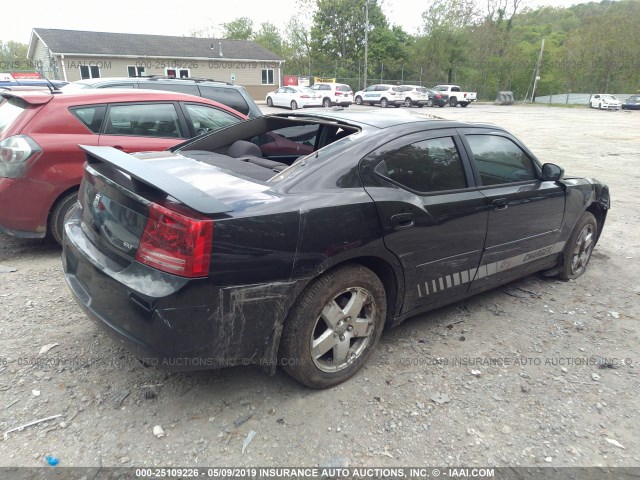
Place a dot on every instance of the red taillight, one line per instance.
(176, 243)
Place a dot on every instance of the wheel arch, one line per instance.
(600, 213)
(390, 276)
(59, 198)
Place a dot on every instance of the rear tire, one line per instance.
(577, 251)
(326, 103)
(294, 105)
(407, 102)
(453, 102)
(333, 327)
(58, 213)
(384, 103)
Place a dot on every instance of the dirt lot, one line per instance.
(536, 397)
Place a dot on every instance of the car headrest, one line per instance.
(242, 148)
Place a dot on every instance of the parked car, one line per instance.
(456, 95)
(380, 94)
(9, 82)
(294, 97)
(604, 101)
(339, 94)
(234, 96)
(41, 163)
(219, 255)
(415, 95)
(631, 103)
(437, 98)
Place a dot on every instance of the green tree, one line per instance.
(13, 53)
(239, 29)
(268, 36)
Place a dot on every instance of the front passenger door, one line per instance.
(525, 214)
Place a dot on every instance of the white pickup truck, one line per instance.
(456, 95)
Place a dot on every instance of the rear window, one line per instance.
(10, 110)
(343, 88)
(91, 116)
(228, 96)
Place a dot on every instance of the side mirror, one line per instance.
(551, 172)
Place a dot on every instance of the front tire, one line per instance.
(326, 103)
(358, 100)
(384, 103)
(429, 103)
(334, 326)
(407, 102)
(579, 247)
(269, 102)
(58, 213)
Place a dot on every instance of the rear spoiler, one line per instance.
(147, 174)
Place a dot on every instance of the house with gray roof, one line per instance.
(74, 55)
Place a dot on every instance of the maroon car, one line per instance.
(41, 163)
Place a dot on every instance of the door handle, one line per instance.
(402, 220)
(500, 204)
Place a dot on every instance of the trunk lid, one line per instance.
(157, 208)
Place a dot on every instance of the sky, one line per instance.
(143, 16)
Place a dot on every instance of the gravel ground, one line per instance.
(538, 372)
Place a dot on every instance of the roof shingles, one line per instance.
(69, 42)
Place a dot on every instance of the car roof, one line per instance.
(112, 95)
(153, 78)
(379, 119)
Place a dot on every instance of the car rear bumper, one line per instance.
(24, 207)
(171, 322)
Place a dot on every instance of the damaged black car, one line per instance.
(294, 239)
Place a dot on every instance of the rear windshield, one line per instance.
(343, 88)
(10, 110)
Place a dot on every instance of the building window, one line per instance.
(177, 72)
(267, 76)
(135, 71)
(89, 71)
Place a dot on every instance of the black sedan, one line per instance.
(631, 103)
(218, 253)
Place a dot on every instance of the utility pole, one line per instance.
(537, 73)
(366, 40)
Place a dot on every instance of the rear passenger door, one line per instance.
(137, 127)
(433, 218)
(525, 213)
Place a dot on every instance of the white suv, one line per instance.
(334, 94)
(383, 94)
(415, 95)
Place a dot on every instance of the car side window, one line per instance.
(91, 116)
(500, 160)
(205, 118)
(229, 96)
(144, 120)
(428, 166)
